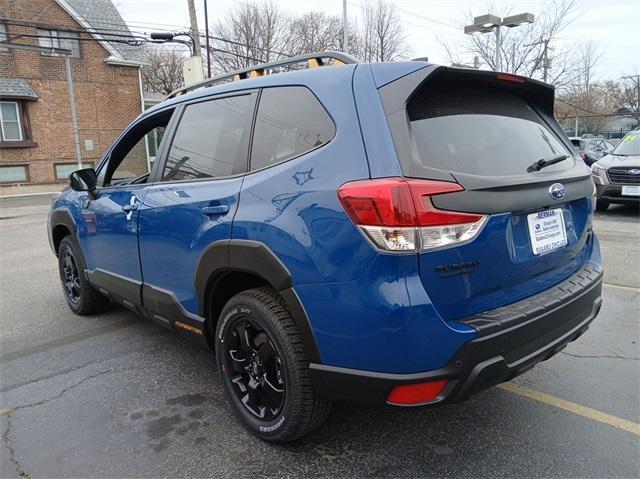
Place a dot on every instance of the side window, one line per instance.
(132, 157)
(290, 121)
(211, 139)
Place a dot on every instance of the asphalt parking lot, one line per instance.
(117, 396)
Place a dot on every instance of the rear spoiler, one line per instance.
(397, 94)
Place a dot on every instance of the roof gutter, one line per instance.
(87, 26)
(124, 63)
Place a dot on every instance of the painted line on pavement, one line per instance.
(584, 411)
(620, 286)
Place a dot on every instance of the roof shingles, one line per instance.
(103, 16)
(16, 88)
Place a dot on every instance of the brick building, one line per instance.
(36, 135)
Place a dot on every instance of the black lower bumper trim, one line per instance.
(485, 361)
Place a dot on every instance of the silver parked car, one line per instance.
(591, 148)
(617, 175)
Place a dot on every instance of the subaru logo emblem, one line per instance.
(634, 171)
(556, 191)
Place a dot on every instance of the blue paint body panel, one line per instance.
(175, 231)
(368, 310)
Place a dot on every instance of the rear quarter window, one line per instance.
(290, 122)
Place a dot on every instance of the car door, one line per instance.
(111, 215)
(193, 199)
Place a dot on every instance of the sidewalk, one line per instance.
(30, 190)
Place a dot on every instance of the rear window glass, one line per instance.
(290, 121)
(480, 131)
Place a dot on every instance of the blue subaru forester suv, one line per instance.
(397, 233)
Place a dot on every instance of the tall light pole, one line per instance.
(492, 23)
(345, 27)
(206, 29)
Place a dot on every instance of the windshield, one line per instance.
(481, 131)
(629, 145)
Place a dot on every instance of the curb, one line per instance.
(24, 195)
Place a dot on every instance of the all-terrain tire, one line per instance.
(302, 410)
(82, 298)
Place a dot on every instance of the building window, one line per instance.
(14, 174)
(63, 170)
(10, 130)
(3, 36)
(59, 39)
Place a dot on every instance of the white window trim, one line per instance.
(4, 137)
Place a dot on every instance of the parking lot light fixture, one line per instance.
(489, 22)
(517, 20)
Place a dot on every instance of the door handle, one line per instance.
(217, 210)
(133, 205)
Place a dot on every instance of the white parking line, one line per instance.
(593, 414)
(619, 286)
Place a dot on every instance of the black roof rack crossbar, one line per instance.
(312, 59)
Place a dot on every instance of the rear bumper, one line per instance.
(510, 341)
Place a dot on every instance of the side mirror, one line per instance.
(83, 180)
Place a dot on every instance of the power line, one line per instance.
(576, 106)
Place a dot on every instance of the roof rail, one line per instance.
(312, 60)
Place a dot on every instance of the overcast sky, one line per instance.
(614, 25)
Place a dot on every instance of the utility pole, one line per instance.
(545, 61)
(197, 51)
(345, 27)
(206, 37)
(498, 48)
(74, 115)
(72, 100)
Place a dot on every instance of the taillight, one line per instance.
(397, 214)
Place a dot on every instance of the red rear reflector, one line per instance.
(414, 394)
(511, 78)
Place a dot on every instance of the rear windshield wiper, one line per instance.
(544, 162)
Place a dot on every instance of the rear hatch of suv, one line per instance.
(525, 199)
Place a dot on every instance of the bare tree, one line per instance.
(628, 95)
(381, 35)
(163, 74)
(316, 31)
(250, 34)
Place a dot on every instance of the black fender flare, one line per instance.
(60, 217)
(256, 258)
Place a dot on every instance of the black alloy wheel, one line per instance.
(255, 369)
(71, 278)
(80, 295)
(264, 368)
